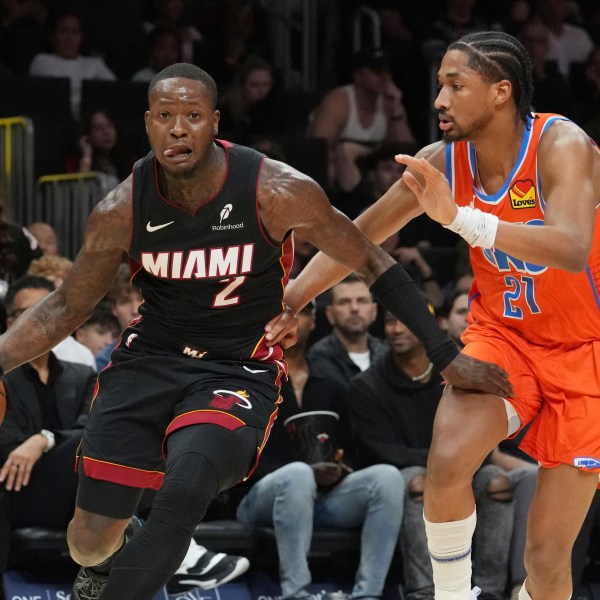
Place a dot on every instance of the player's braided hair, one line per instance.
(186, 71)
(496, 55)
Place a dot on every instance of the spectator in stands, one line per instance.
(392, 406)
(51, 266)
(452, 316)
(458, 19)
(242, 34)
(48, 401)
(66, 60)
(52, 270)
(367, 111)
(45, 237)
(249, 107)
(164, 49)
(98, 331)
(15, 251)
(22, 32)
(569, 44)
(124, 301)
(550, 88)
(99, 148)
(348, 349)
(297, 493)
(172, 14)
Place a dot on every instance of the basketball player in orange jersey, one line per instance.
(522, 189)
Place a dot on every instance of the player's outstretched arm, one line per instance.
(290, 200)
(57, 315)
(569, 166)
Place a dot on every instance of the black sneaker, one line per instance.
(209, 571)
(88, 585)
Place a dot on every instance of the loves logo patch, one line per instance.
(522, 194)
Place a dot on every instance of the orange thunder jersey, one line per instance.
(546, 305)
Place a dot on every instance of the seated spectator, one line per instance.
(242, 33)
(51, 266)
(164, 49)
(550, 88)
(99, 148)
(452, 315)
(365, 174)
(124, 301)
(570, 44)
(45, 236)
(22, 32)
(249, 107)
(48, 401)
(66, 60)
(391, 408)
(98, 331)
(297, 493)
(16, 252)
(367, 111)
(173, 14)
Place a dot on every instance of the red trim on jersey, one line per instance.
(264, 232)
(121, 474)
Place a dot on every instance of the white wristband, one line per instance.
(478, 228)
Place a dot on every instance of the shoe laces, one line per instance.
(89, 588)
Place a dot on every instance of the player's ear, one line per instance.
(216, 117)
(503, 91)
(146, 118)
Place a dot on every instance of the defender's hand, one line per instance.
(433, 193)
(282, 329)
(468, 373)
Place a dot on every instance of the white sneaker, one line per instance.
(475, 592)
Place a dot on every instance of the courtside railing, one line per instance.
(16, 166)
(65, 201)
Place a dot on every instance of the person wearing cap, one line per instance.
(364, 112)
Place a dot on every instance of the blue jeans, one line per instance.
(288, 500)
(491, 540)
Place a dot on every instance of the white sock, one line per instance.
(450, 550)
(523, 595)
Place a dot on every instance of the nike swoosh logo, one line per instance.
(152, 228)
(254, 370)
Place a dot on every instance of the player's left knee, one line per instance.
(499, 489)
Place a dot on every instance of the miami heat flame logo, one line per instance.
(522, 194)
(225, 399)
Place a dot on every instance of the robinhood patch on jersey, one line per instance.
(522, 194)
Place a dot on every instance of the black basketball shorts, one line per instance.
(151, 390)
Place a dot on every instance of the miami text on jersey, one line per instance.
(203, 263)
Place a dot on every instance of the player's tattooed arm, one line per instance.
(289, 200)
(57, 315)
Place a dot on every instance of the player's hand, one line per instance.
(469, 373)
(16, 471)
(2, 401)
(434, 194)
(282, 329)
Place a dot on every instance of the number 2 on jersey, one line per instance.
(225, 297)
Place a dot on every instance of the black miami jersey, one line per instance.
(210, 280)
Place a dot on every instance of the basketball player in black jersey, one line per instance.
(188, 400)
